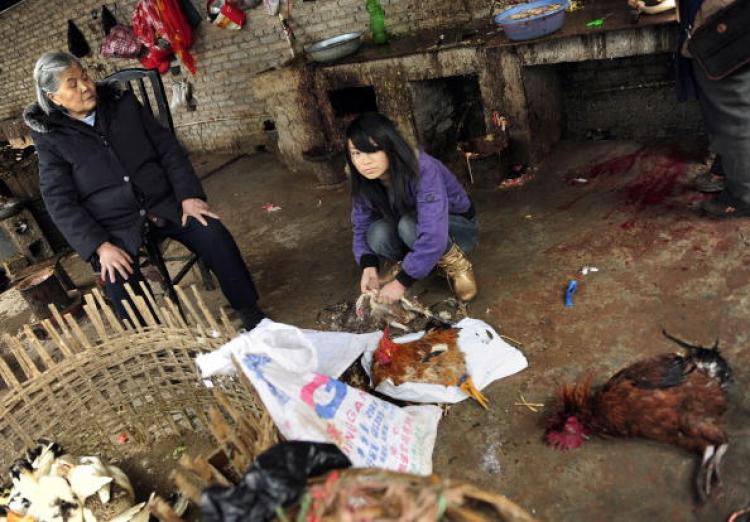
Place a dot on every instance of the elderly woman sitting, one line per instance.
(110, 173)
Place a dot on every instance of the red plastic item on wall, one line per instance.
(229, 16)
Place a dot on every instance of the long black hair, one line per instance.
(373, 132)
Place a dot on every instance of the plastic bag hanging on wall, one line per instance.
(225, 14)
(77, 44)
(272, 6)
(120, 43)
(108, 20)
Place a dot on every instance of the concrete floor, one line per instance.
(661, 264)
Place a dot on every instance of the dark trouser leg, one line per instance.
(464, 232)
(116, 292)
(383, 239)
(216, 246)
(726, 110)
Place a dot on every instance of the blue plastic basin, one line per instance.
(533, 26)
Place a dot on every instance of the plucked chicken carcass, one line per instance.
(435, 358)
(672, 398)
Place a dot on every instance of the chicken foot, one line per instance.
(467, 386)
(709, 470)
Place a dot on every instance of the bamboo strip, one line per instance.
(176, 313)
(96, 320)
(18, 350)
(131, 314)
(167, 317)
(59, 341)
(140, 304)
(189, 306)
(212, 324)
(38, 347)
(7, 374)
(227, 324)
(150, 296)
(111, 319)
(79, 335)
(66, 334)
(92, 310)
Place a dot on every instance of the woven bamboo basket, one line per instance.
(86, 390)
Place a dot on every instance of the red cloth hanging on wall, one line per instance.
(155, 20)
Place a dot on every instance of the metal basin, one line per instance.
(334, 48)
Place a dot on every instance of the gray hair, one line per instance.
(46, 76)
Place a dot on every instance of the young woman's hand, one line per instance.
(196, 208)
(369, 280)
(114, 260)
(391, 293)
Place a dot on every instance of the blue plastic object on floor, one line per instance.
(569, 291)
(532, 26)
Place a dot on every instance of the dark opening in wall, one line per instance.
(4, 190)
(624, 98)
(446, 111)
(7, 4)
(36, 249)
(353, 100)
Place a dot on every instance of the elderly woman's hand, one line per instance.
(196, 208)
(114, 260)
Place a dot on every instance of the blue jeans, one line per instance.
(393, 241)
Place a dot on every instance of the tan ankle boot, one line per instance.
(460, 273)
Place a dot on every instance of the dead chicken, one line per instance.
(49, 486)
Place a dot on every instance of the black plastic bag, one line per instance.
(277, 478)
(108, 20)
(77, 44)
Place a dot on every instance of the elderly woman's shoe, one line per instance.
(460, 273)
(250, 317)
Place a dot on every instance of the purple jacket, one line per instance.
(437, 194)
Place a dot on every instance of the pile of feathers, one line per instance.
(48, 485)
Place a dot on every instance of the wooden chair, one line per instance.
(133, 79)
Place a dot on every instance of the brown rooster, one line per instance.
(432, 359)
(672, 398)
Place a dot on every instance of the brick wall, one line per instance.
(229, 115)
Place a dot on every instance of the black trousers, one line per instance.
(214, 244)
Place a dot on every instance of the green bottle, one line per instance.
(377, 21)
